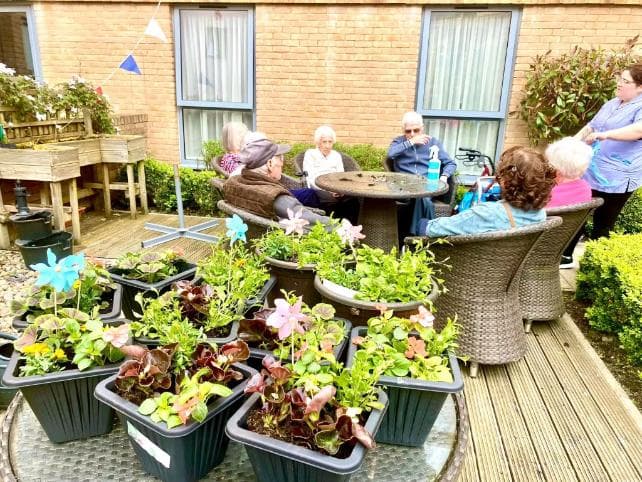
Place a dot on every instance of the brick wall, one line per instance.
(12, 51)
(91, 39)
(353, 66)
(132, 124)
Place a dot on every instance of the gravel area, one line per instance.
(14, 278)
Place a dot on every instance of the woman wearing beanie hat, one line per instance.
(257, 188)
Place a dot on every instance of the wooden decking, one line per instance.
(556, 415)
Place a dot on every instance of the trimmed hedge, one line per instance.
(610, 275)
(630, 219)
(369, 157)
(199, 197)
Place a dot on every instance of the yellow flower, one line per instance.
(35, 349)
(240, 262)
(59, 354)
(77, 284)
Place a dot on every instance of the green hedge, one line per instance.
(369, 157)
(610, 276)
(630, 219)
(199, 197)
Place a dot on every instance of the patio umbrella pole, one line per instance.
(172, 233)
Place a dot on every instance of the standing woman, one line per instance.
(616, 135)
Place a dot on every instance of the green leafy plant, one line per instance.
(70, 339)
(386, 277)
(175, 396)
(610, 276)
(368, 156)
(408, 347)
(211, 149)
(562, 93)
(148, 267)
(630, 219)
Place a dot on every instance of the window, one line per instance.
(18, 43)
(465, 73)
(214, 74)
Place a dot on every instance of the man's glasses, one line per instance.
(623, 80)
(413, 131)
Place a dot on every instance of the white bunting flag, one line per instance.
(154, 30)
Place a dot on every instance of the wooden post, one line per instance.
(86, 114)
(131, 186)
(106, 193)
(75, 216)
(45, 199)
(5, 243)
(56, 201)
(142, 186)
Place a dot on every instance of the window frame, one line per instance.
(507, 80)
(33, 36)
(211, 105)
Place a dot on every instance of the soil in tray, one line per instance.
(607, 346)
(220, 332)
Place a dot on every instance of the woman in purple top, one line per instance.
(615, 134)
(232, 140)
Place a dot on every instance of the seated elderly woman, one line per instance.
(324, 160)
(232, 139)
(257, 189)
(526, 180)
(410, 153)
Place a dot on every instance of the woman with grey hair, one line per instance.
(257, 188)
(232, 139)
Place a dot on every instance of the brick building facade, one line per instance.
(352, 65)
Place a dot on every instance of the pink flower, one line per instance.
(117, 335)
(287, 318)
(424, 317)
(294, 223)
(349, 233)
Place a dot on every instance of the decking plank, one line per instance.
(570, 430)
(489, 449)
(520, 452)
(602, 437)
(469, 472)
(619, 411)
(546, 441)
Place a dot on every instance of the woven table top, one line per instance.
(34, 458)
(382, 185)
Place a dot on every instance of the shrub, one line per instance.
(563, 93)
(198, 195)
(630, 219)
(211, 149)
(369, 157)
(610, 276)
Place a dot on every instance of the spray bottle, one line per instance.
(434, 167)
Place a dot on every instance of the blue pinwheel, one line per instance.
(59, 275)
(236, 229)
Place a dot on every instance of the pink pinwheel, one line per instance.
(349, 233)
(424, 317)
(287, 318)
(117, 335)
(295, 223)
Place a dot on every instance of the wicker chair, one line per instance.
(445, 204)
(483, 291)
(540, 292)
(288, 182)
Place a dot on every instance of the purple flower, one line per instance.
(287, 318)
(349, 233)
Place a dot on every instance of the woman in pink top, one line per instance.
(570, 157)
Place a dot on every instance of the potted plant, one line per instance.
(174, 408)
(57, 362)
(403, 282)
(93, 290)
(419, 371)
(148, 273)
(6, 350)
(293, 253)
(301, 425)
(319, 328)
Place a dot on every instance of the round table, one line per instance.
(28, 455)
(380, 191)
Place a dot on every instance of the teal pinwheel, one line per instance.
(236, 229)
(59, 275)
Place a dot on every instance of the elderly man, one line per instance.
(257, 188)
(410, 153)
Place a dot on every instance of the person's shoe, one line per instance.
(567, 262)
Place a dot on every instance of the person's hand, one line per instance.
(443, 179)
(420, 139)
(595, 136)
(336, 195)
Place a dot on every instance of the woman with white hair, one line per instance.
(232, 139)
(570, 157)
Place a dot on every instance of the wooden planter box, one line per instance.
(49, 163)
(89, 152)
(122, 149)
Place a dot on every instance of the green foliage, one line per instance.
(71, 339)
(149, 267)
(563, 93)
(610, 276)
(630, 219)
(199, 196)
(385, 277)
(369, 157)
(33, 100)
(407, 348)
(211, 149)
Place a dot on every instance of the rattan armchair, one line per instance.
(540, 291)
(483, 291)
(349, 164)
(288, 182)
(444, 204)
(257, 225)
